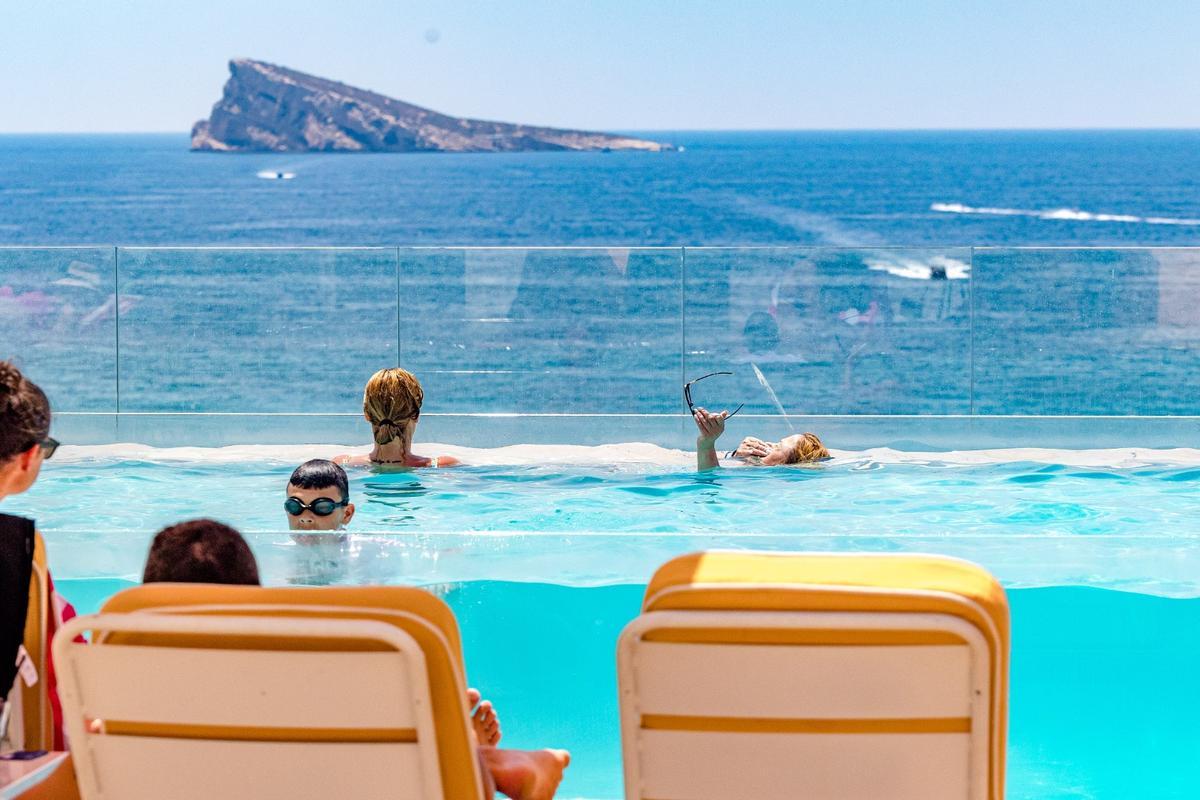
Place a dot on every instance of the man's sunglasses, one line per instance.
(322, 506)
(687, 392)
(48, 445)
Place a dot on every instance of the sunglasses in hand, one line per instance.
(687, 393)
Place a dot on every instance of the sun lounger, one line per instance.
(771, 676)
(247, 692)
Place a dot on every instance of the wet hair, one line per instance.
(24, 412)
(320, 473)
(200, 551)
(392, 397)
(808, 448)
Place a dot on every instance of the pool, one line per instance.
(543, 553)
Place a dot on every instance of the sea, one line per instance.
(973, 188)
(830, 272)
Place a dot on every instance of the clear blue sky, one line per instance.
(158, 65)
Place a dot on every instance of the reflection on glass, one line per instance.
(1087, 331)
(58, 311)
(255, 330)
(833, 331)
(589, 330)
(609, 330)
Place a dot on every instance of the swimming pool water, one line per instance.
(1111, 519)
(544, 564)
(1102, 692)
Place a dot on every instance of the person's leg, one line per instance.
(525, 774)
(489, 785)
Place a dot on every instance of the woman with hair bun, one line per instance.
(392, 404)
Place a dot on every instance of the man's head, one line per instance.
(318, 486)
(200, 551)
(24, 430)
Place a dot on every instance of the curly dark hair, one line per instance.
(24, 412)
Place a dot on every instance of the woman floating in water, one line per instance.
(392, 404)
(800, 448)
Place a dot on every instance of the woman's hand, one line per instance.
(752, 448)
(711, 426)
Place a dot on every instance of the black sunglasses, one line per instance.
(322, 506)
(687, 392)
(48, 445)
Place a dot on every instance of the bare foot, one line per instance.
(483, 719)
(526, 774)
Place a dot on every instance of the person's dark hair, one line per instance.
(200, 551)
(320, 473)
(24, 412)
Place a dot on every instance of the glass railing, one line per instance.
(805, 331)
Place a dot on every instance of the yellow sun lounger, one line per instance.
(245, 692)
(771, 676)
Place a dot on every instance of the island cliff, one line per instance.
(271, 108)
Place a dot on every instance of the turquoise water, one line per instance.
(1127, 525)
(545, 564)
(1103, 692)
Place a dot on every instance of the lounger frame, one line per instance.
(228, 751)
(680, 711)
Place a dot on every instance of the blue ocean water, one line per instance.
(802, 188)
(929, 326)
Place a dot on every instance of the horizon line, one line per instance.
(993, 129)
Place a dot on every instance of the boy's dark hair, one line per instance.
(319, 473)
(200, 551)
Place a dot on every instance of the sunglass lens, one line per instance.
(49, 445)
(293, 506)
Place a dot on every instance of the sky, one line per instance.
(151, 65)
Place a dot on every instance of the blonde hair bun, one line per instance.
(392, 397)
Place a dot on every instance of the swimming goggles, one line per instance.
(687, 393)
(322, 506)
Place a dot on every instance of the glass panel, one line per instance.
(830, 331)
(58, 315)
(1086, 331)
(254, 330)
(509, 330)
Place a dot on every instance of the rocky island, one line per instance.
(275, 109)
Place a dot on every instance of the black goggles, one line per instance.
(687, 393)
(322, 506)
